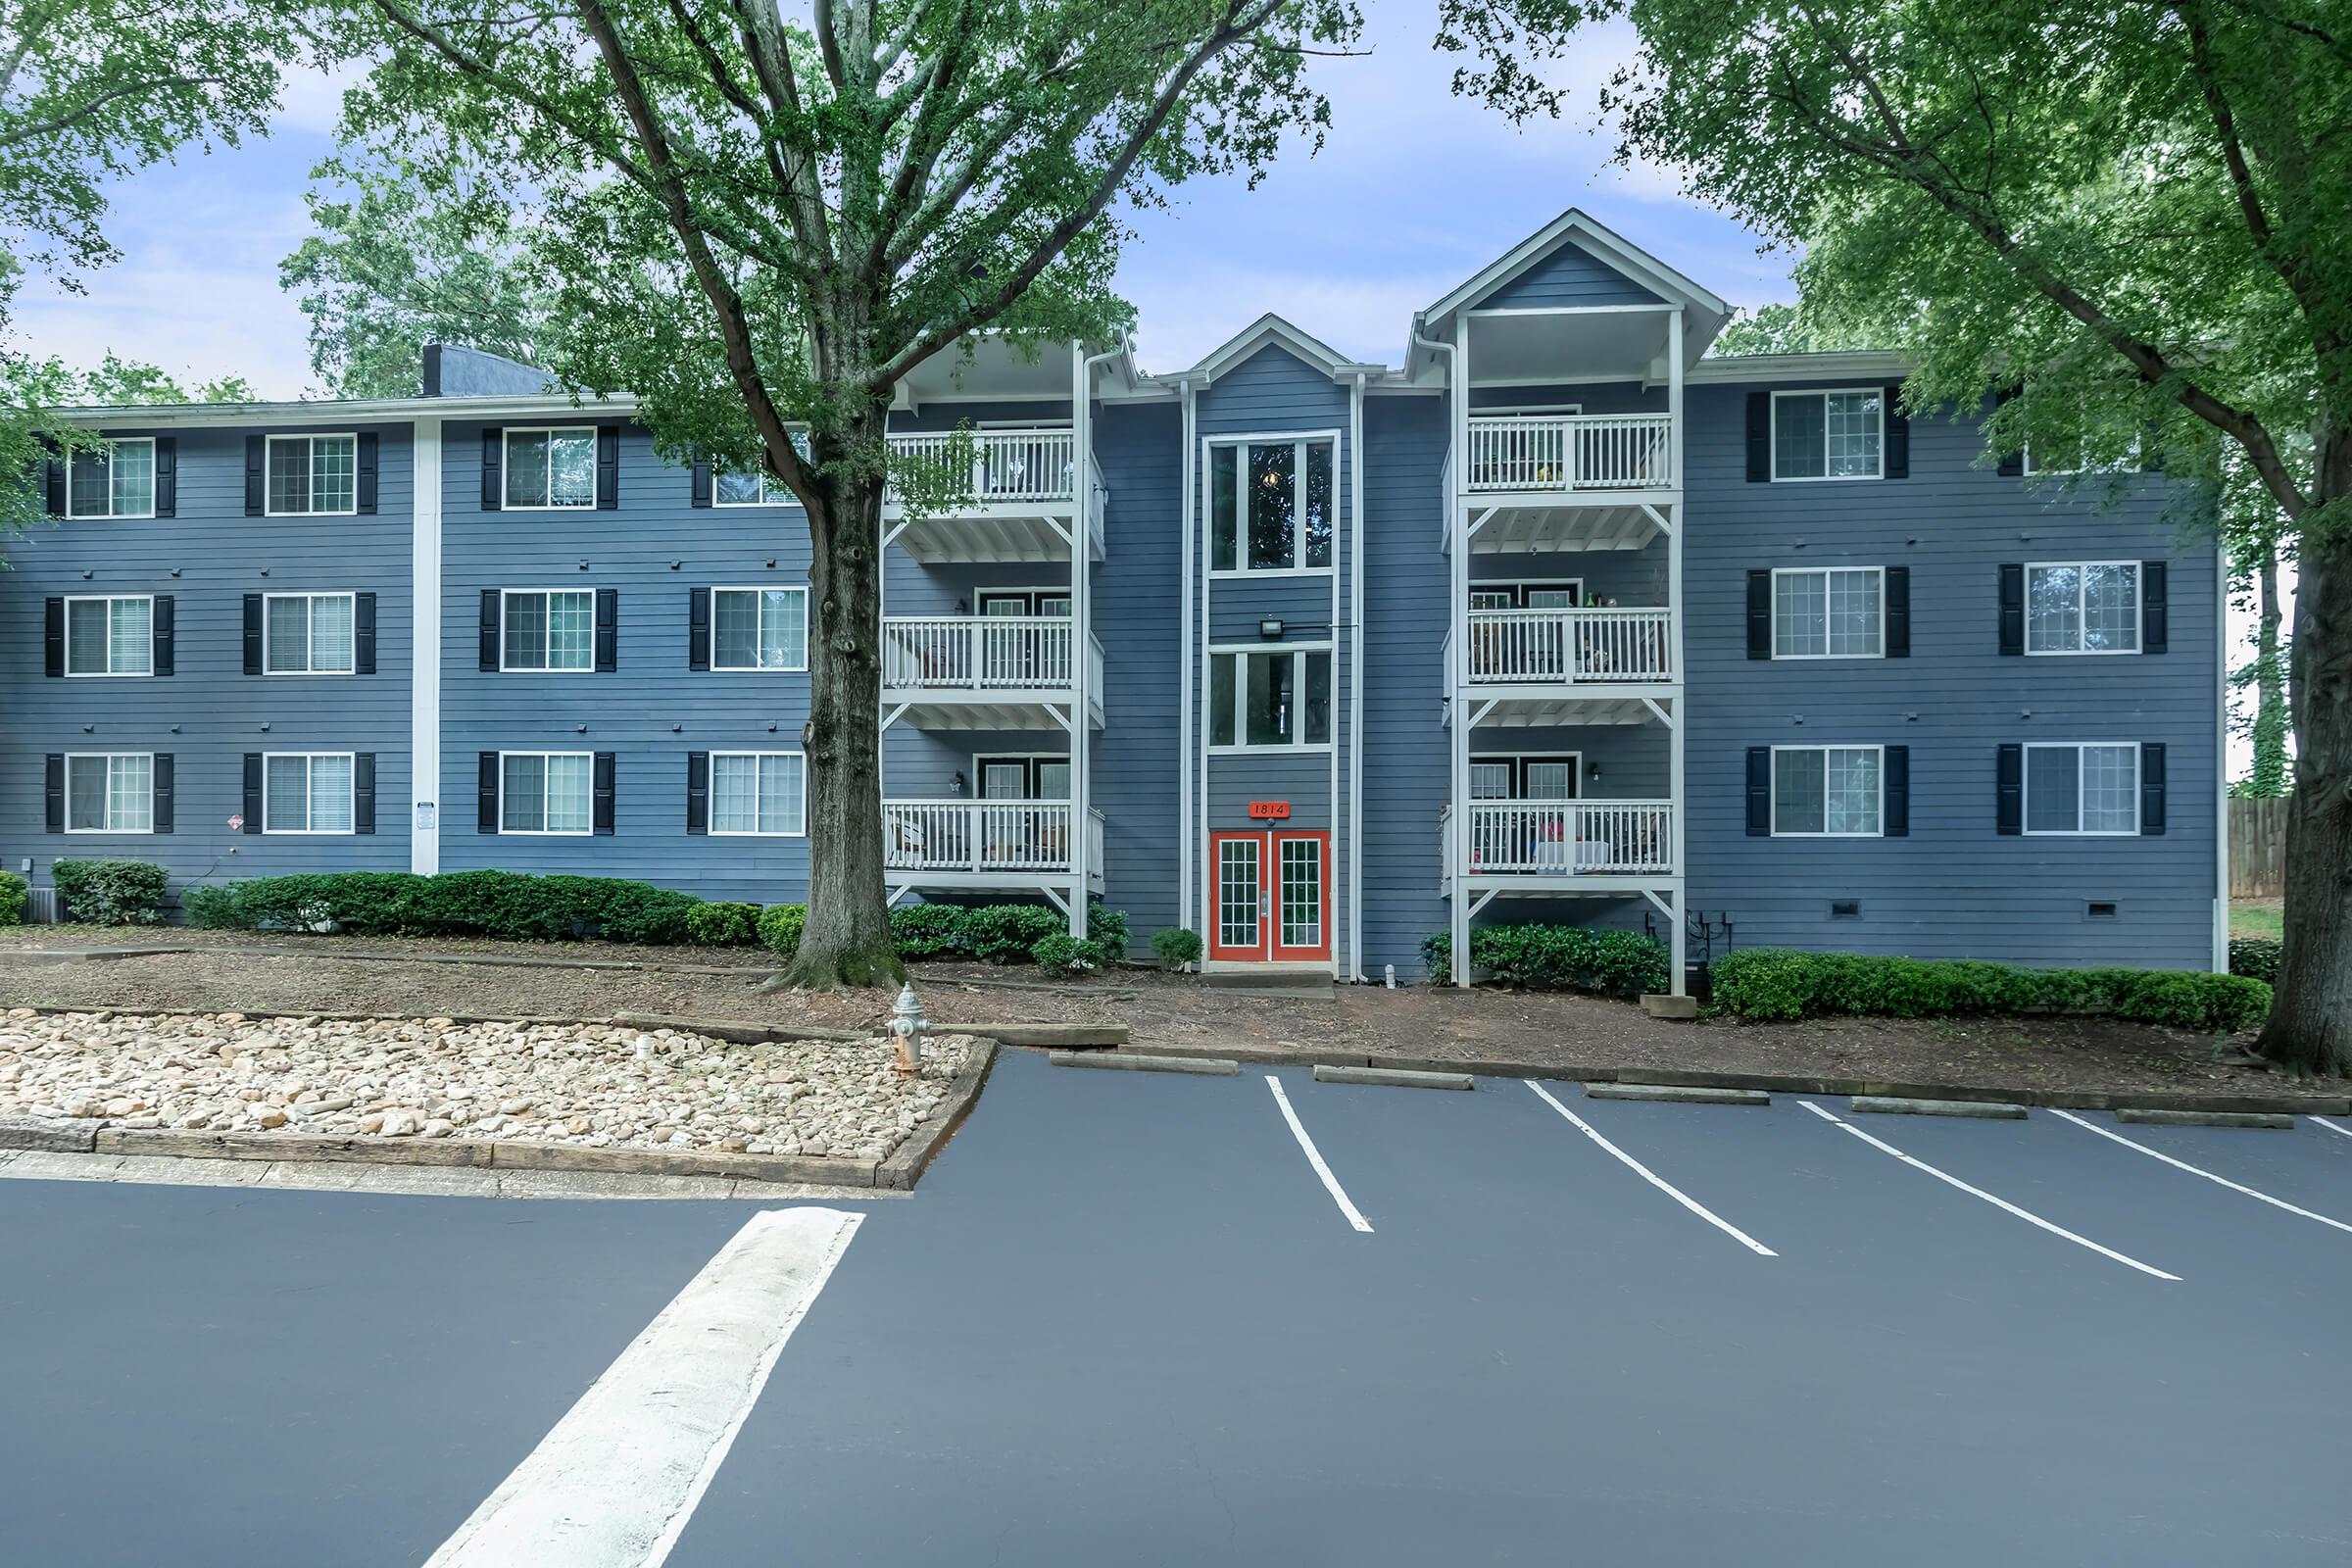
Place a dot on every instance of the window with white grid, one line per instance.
(1825, 791)
(1301, 892)
(550, 469)
(112, 480)
(1828, 613)
(545, 792)
(549, 629)
(110, 792)
(307, 792)
(1828, 436)
(313, 474)
(2088, 789)
(307, 634)
(757, 793)
(2090, 606)
(110, 636)
(759, 629)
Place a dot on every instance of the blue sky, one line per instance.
(1414, 190)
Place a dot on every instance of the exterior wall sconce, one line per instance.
(1270, 630)
(956, 784)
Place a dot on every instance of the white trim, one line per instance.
(717, 669)
(505, 467)
(111, 515)
(711, 827)
(1826, 747)
(1605, 246)
(109, 757)
(2221, 751)
(351, 787)
(2139, 610)
(1354, 621)
(2024, 791)
(1191, 765)
(1271, 328)
(1734, 367)
(546, 832)
(589, 669)
(1824, 572)
(309, 621)
(425, 651)
(270, 444)
(1063, 757)
(1524, 411)
(1299, 441)
(1825, 393)
(108, 673)
(1241, 690)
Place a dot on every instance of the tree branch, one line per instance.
(84, 111)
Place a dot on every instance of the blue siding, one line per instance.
(1569, 275)
(1138, 615)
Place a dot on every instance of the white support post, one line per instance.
(1678, 738)
(424, 647)
(1082, 427)
(1458, 675)
(1184, 690)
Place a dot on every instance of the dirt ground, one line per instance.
(331, 974)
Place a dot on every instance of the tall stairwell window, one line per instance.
(1272, 506)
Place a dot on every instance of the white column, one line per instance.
(1082, 526)
(424, 647)
(1184, 693)
(1457, 663)
(1680, 739)
(1356, 535)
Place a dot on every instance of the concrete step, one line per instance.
(1286, 984)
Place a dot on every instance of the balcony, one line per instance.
(994, 672)
(1571, 646)
(1568, 481)
(1019, 499)
(1584, 846)
(984, 844)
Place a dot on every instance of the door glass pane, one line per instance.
(735, 628)
(1301, 892)
(1004, 605)
(1054, 604)
(1224, 506)
(1273, 506)
(1551, 781)
(1052, 781)
(1489, 782)
(289, 636)
(1798, 780)
(1237, 892)
(526, 467)
(567, 794)
(1317, 699)
(2110, 789)
(1003, 781)
(522, 795)
(1552, 599)
(1796, 437)
(1319, 511)
(2053, 788)
(2111, 607)
(286, 798)
(1490, 599)
(1220, 699)
(1267, 704)
(88, 636)
(2053, 609)
(331, 633)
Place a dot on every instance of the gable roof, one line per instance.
(1271, 330)
(1703, 311)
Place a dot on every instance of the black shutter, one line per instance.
(604, 792)
(252, 792)
(607, 468)
(1759, 614)
(1759, 437)
(486, 794)
(257, 453)
(1899, 435)
(1759, 791)
(1894, 804)
(1899, 611)
(2009, 791)
(363, 634)
(160, 776)
(494, 483)
(489, 649)
(54, 788)
(53, 634)
(2151, 788)
(697, 792)
(166, 476)
(698, 628)
(253, 634)
(364, 486)
(2013, 608)
(2155, 611)
(2012, 465)
(55, 476)
(161, 628)
(362, 793)
(607, 629)
(700, 493)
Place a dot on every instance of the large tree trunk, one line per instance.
(2269, 776)
(846, 939)
(2310, 1028)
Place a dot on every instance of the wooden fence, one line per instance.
(2257, 849)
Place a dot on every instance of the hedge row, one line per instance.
(1557, 957)
(12, 897)
(2255, 957)
(1775, 984)
(109, 892)
(992, 933)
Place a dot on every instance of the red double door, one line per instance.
(1271, 897)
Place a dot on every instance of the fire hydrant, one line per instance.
(906, 1026)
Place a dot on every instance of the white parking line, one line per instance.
(615, 1481)
(1331, 1183)
(2333, 1126)
(2001, 1203)
(1653, 1177)
(2193, 1171)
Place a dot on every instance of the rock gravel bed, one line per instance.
(592, 1085)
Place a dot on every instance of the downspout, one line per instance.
(1456, 738)
(1355, 681)
(1183, 691)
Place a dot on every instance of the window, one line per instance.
(1276, 699)
(544, 792)
(1271, 507)
(1526, 595)
(1828, 436)
(112, 479)
(548, 629)
(1524, 779)
(2083, 789)
(1825, 791)
(306, 791)
(1833, 613)
(313, 474)
(746, 490)
(2083, 608)
(759, 628)
(757, 791)
(307, 634)
(110, 636)
(110, 794)
(1023, 778)
(551, 468)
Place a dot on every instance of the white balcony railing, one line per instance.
(1567, 838)
(1531, 647)
(1571, 452)
(978, 653)
(1007, 466)
(978, 836)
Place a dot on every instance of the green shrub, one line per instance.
(1776, 985)
(1176, 947)
(2255, 957)
(780, 928)
(1557, 957)
(211, 908)
(459, 904)
(927, 930)
(1061, 954)
(12, 894)
(1107, 928)
(109, 892)
(723, 925)
(1004, 933)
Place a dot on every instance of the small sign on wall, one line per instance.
(1269, 810)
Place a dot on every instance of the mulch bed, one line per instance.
(223, 973)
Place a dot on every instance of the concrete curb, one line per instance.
(1678, 1095)
(1898, 1105)
(2206, 1118)
(1393, 1077)
(908, 1162)
(47, 1137)
(1136, 1061)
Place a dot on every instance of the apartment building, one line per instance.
(1556, 619)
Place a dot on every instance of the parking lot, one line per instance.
(1127, 1318)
